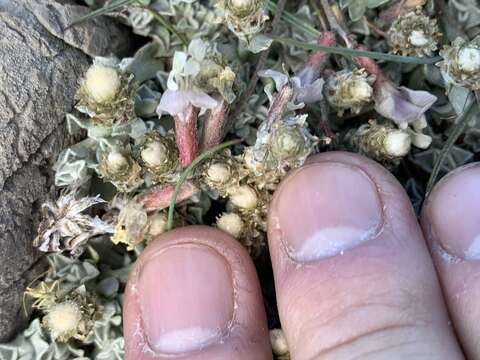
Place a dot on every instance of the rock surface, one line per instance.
(40, 64)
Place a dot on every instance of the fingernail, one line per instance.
(326, 209)
(453, 210)
(186, 298)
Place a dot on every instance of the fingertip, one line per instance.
(450, 223)
(194, 293)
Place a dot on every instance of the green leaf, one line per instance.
(356, 9)
(471, 109)
(372, 4)
(353, 52)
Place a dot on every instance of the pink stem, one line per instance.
(279, 104)
(186, 134)
(214, 127)
(318, 58)
(158, 197)
(370, 66)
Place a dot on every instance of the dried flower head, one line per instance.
(414, 34)
(349, 90)
(72, 317)
(64, 226)
(461, 63)
(106, 95)
(220, 173)
(157, 225)
(244, 18)
(44, 295)
(231, 223)
(121, 170)
(159, 155)
(132, 225)
(280, 147)
(384, 143)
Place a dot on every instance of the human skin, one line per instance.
(356, 275)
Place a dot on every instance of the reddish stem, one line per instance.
(370, 66)
(279, 104)
(159, 197)
(214, 126)
(186, 134)
(318, 58)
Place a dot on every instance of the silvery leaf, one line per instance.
(71, 271)
(259, 43)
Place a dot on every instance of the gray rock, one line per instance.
(40, 64)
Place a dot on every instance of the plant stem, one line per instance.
(354, 52)
(252, 84)
(183, 176)
(470, 108)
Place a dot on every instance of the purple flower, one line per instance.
(401, 104)
(177, 101)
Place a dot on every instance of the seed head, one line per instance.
(414, 34)
(62, 320)
(384, 143)
(461, 63)
(287, 142)
(349, 90)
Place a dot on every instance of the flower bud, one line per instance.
(287, 142)
(279, 342)
(121, 170)
(219, 172)
(244, 197)
(106, 95)
(349, 90)
(102, 83)
(414, 34)
(159, 154)
(469, 59)
(231, 223)
(461, 63)
(117, 162)
(382, 142)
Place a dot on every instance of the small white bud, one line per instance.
(231, 223)
(219, 172)
(154, 154)
(469, 59)
(279, 342)
(397, 143)
(361, 90)
(102, 83)
(242, 3)
(116, 161)
(63, 319)
(244, 197)
(418, 38)
(158, 224)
